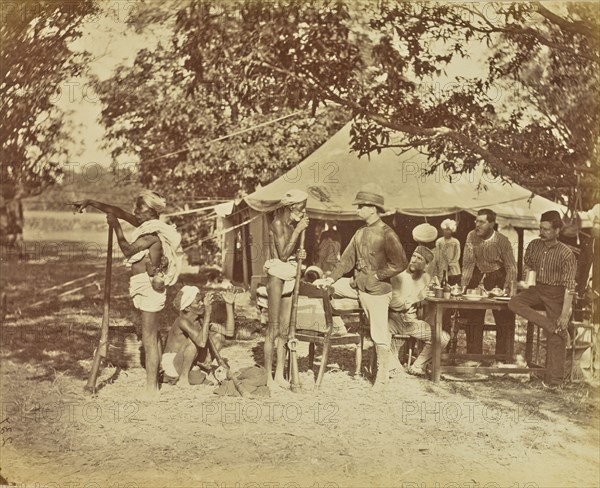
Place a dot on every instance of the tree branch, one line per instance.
(432, 133)
(579, 28)
(518, 31)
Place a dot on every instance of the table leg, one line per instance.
(529, 343)
(511, 342)
(437, 343)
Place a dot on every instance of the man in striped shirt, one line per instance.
(488, 258)
(555, 266)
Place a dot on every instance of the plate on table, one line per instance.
(502, 299)
(472, 298)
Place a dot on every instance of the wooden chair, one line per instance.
(325, 338)
(585, 337)
(580, 342)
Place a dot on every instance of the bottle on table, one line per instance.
(446, 288)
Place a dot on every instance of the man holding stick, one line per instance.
(376, 255)
(284, 233)
(155, 258)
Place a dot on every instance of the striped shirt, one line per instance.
(488, 255)
(554, 265)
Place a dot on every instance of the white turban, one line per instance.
(153, 200)
(185, 297)
(314, 269)
(594, 214)
(448, 224)
(294, 196)
(424, 233)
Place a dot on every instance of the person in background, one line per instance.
(329, 248)
(448, 253)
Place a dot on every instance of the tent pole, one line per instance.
(245, 255)
(520, 246)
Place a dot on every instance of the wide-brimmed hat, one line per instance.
(370, 194)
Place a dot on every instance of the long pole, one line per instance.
(292, 342)
(102, 348)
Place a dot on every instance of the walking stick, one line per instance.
(101, 350)
(292, 342)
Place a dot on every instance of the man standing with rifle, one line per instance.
(155, 258)
(375, 254)
(284, 236)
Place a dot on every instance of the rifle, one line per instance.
(292, 342)
(101, 350)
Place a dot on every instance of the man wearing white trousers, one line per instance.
(376, 255)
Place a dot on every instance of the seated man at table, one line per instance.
(408, 290)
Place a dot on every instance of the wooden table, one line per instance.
(437, 306)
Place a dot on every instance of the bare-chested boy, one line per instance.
(187, 339)
(284, 235)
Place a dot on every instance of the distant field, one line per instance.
(49, 225)
(49, 228)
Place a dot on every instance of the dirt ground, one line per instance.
(494, 432)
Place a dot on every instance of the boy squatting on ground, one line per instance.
(187, 340)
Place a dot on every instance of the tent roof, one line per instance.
(332, 176)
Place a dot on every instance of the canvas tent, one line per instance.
(332, 176)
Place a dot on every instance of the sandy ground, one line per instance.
(497, 432)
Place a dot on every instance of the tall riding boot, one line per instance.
(383, 358)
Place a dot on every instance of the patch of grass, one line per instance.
(63, 331)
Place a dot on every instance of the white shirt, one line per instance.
(407, 291)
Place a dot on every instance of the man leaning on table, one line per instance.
(555, 266)
(488, 257)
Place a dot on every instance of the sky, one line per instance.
(111, 42)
